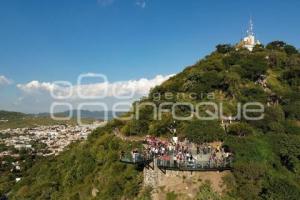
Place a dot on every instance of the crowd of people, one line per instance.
(175, 153)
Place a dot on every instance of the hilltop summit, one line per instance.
(249, 41)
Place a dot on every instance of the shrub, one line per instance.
(203, 131)
(240, 129)
(224, 48)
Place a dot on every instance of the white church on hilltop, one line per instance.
(249, 41)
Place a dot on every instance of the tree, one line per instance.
(224, 48)
(272, 121)
(135, 127)
(253, 93)
(292, 76)
(160, 127)
(291, 127)
(230, 83)
(203, 82)
(207, 193)
(287, 148)
(281, 188)
(240, 129)
(289, 49)
(276, 45)
(249, 177)
(276, 127)
(200, 131)
(253, 66)
(258, 48)
(292, 110)
(280, 45)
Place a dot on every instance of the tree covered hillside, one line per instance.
(267, 152)
(84, 171)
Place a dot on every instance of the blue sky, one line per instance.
(124, 39)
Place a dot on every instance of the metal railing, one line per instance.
(194, 165)
(183, 165)
(136, 158)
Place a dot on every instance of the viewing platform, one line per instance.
(179, 156)
(137, 159)
(194, 166)
(163, 164)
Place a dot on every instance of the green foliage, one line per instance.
(249, 177)
(282, 46)
(253, 148)
(240, 129)
(200, 131)
(292, 76)
(161, 127)
(206, 192)
(135, 127)
(76, 172)
(278, 59)
(275, 84)
(171, 196)
(288, 150)
(253, 94)
(145, 194)
(289, 49)
(253, 66)
(276, 45)
(258, 48)
(272, 122)
(291, 127)
(224, 48)
(281, 188)
(253, 158)
(203, 82)
(292, 110)
(230, 83)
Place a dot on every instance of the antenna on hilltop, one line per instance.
(250, 31)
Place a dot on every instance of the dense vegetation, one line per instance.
(267, 152)
(87, 169)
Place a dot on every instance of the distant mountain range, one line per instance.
(86, 114)
(8, 115)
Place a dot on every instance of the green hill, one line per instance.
(6, 115)
(21, 120)
(267, 152)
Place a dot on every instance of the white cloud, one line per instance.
(141, 3)
(139, 87)
(4, 80)
(36, 86)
